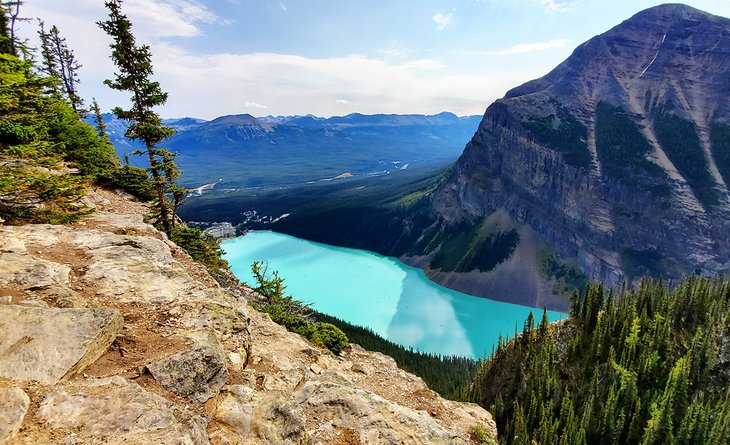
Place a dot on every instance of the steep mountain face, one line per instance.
(613, 165)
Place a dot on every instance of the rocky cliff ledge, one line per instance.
(110, 333)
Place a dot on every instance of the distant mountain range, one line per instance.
(238, 151)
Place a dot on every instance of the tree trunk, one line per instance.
(159, 187)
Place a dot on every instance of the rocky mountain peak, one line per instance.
(617, 159)
(669, 47)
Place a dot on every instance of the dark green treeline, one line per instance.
(643, 366)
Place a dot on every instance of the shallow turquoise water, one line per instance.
(397, 301)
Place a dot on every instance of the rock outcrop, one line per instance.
(48, 345)
(109, 333)
(13, 408)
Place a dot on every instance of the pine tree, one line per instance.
(32, 188)
(6, 42)
(642, 364)
(544, 323)
(99, 121)
(527, 329)
(59, 62)
(11, 16)
(134, 65)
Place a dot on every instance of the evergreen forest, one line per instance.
(649, 365)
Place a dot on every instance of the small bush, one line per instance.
(481, 435)
(293, 314)
(201, 246)
(79, 143)
(13, 133)
(331, 337)
(131, 179)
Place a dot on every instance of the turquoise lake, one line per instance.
(395, 300)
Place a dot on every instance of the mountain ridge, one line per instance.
(566, 177)
(241, 151)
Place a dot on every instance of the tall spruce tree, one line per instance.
(6, 42)
(99, 120)
(59, 62)
(134, 65)
(11, 16)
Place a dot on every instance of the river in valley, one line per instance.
(395, 300)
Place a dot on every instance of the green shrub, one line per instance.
(79, 143)
(13, 133)
(331, 337)
(131, 179)
(201, 246)
(294, 315)
(33, 184)
(481, 435)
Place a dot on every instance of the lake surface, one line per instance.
(395, 300)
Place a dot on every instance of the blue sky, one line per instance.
(334, 57)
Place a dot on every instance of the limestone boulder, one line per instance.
(197, 373)
(51, 344)
(230, 323)
(13, 408)
(38, 275)
(114, 411)
(135, 268)
(236, 409)
(369, 417)
(123, 222)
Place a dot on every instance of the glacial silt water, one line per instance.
(395, 300)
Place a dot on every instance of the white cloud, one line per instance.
(443, 21)
(248, 104)
(523, 48)
(151, 19)
(282, 6)
(555, 6)
(211, 85)
(178, 18)
(214, 85)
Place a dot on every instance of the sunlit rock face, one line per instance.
(618, 159)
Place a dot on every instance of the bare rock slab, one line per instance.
(13, 407)
(48, 345)
(236, 409)
(196, 374)
(113, 411)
